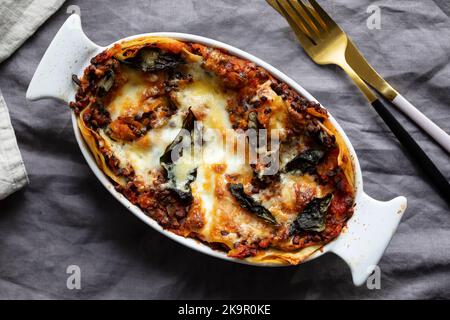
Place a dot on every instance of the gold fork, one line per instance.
(369, 75)
(325, 42)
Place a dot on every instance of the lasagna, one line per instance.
(213, 147)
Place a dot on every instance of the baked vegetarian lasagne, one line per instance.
(213, 147)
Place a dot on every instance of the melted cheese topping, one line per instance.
(128, 98)
(206, 98)
(143, 154)
(208, 102)
(224, 221)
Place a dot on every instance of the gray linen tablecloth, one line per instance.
(65, 216)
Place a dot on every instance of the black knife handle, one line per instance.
(436, 177)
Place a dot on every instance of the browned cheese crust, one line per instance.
(134, 94)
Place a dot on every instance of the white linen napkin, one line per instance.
(19, 19)
(12, 171)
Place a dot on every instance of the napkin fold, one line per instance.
(19, 19)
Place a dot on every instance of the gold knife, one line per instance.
(366, 72)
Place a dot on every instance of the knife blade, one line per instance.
(366, 72)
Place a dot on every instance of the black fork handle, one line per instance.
(425, 163)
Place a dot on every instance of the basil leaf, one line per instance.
(312, 218)
(166, 161)
(188, 124)
(305, 161)
(248, 203)
(183, 192)
(149, 60)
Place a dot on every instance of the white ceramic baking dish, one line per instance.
(368, 232)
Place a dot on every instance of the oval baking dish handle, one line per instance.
(68, 53)
(368, 234)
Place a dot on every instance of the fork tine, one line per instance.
(318, 27)
(276, 5)
(300, 31)
(323, 15)
(303, 16)
(299, 18)
(316, 15)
